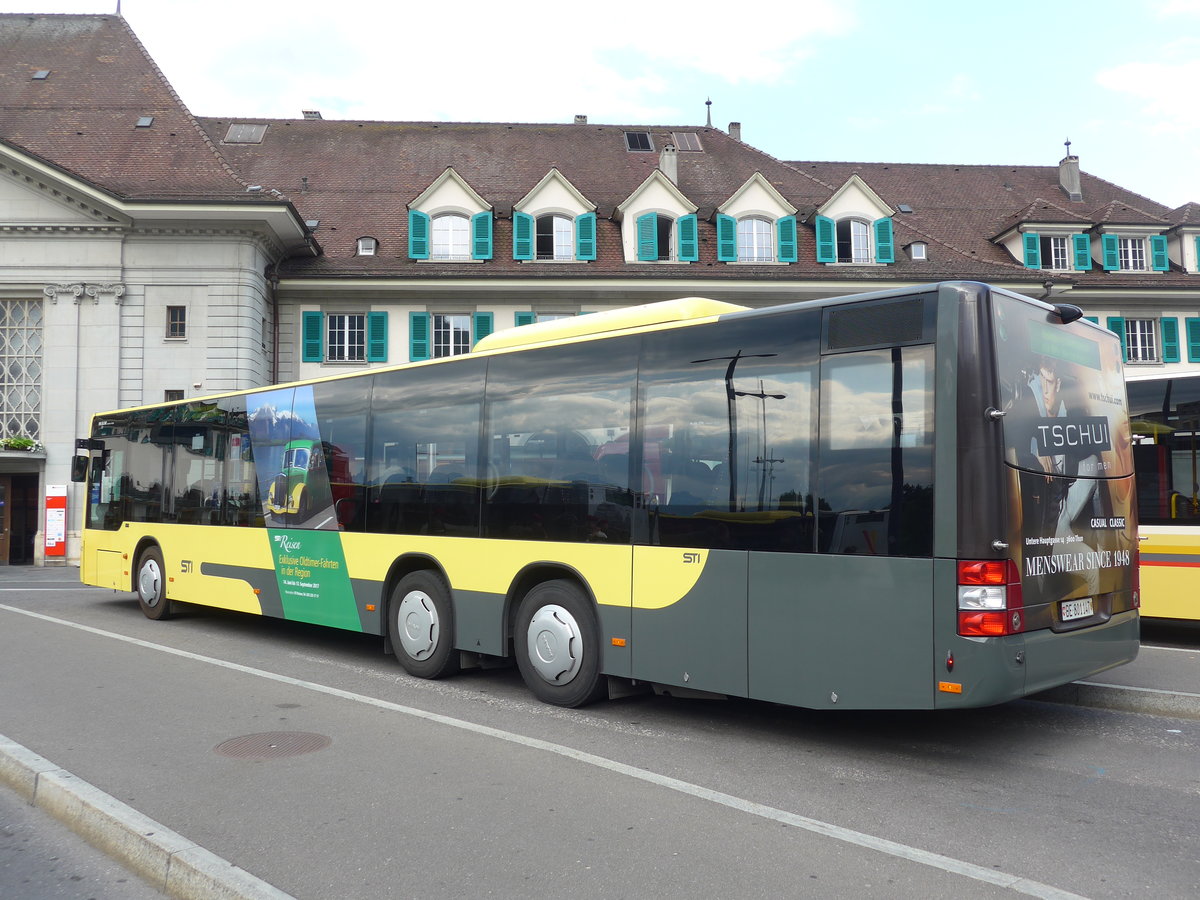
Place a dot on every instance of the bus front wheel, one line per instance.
(421, 622)
(558, 645)
(151, 586)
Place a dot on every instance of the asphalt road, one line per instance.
(376, 784)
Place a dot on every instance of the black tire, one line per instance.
(557, 645)
(421, 625)
(150, 584)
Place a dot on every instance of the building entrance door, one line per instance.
(5, 517)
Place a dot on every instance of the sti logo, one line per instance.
(286, 544)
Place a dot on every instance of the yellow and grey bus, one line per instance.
(1165, 418)
(908, 499)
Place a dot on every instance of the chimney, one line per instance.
(668, 161)
(735, 130)
(1068, 177)
(581, 120)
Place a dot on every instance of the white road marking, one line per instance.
(892, 848)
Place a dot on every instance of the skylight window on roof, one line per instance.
(638, 140)
(145, 121)
(904, 208)
(245, 133)
(688, 141)
(41, 74)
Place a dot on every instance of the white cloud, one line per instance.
(1157, 87)
(482, 61)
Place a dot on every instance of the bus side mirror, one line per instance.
(79, 467)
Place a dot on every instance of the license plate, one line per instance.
(1077, 609)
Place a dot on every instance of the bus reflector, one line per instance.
(370, 607)
(618, 642)
(949, 687)
(1137, 578)
(989, 598)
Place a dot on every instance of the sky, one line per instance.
(933, 81)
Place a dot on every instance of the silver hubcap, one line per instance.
(555, 644)
(150, 583)
(419, 627)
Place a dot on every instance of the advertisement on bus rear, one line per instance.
(1073, 528)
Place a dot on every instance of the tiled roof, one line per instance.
(358, 177)
(83, 117)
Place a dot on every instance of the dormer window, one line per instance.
(555, 237)
(854, 240)
(918, 250)
(1127, 253)
(1057, 252)
(451, 237)
(367, 246)
(755, 241)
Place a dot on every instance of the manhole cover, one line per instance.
(273, 744)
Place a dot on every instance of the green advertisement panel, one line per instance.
(313, 582)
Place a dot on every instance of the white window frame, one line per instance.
(367, 246)
(918, 250)
(451, 334)
(345, 337)
(859, 239)
(562, 237)
(450, 237)
(1059, 257)
(755, 239)
(1132, 254)
(1141, 341)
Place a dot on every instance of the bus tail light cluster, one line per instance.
(989, 598)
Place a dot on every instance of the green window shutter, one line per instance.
(1170, 339)
(483, 325)
(826, 239)
(726, 238)
(785, 230)
(526, 318)
(481, 235)
(585, 236)
(1111, 251)
(1116, 324)
(377, 336)
(312, 329)
(647, 237)
(1192, 330)
(1031, 244)
(885, 248)
(687, 243)
(1082, 245)
(418, 336)
(1095, 320)
(522, 236)
(1198, 251)
(418, 235)
(1159, 260)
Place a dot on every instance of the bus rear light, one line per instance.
(989, 598)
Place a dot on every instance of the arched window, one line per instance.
(451, 237)
(367, 246)
(755, 240)
(853, 241)
(555, 237)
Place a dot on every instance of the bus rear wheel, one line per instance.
(151, 586)
(558, 645)
(421, 625)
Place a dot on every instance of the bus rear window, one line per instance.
(1063, 393)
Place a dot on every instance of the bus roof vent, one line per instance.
(631, 317)
(883, 324)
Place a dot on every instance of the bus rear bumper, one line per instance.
(1053, 659)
